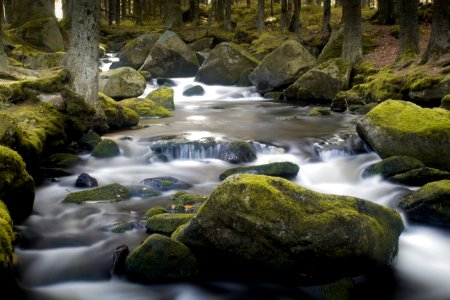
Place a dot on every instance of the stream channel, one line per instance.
(67, 254)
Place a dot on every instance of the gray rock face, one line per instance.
(171, 57)
(282, 66)
(43, 34)
(122, 83)
(270, 226)
(225, 65)
(136, 51)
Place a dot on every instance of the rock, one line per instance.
(160, 258)
(117, 116)
(403, 128)
(202, 44)
(271, 227)
(147, 76)
(244, 81)
(85, 180)
(278, 169)
(42, 60)
(166, 82)
(185, 198)
(134, 53)
(146, 108)
(122, 83)
(419, 177)
(431, 95)
(89, 140)
(445, 102)
(119, 260)
(333, 48)
(166, 183)
(225, 65)
(157, 210)
(273, 95)
(316, 112)
(108, 193)
(393, 165)
(321, 83)
(42, 33)
(17, 186)
(7, 238)
(121, 227)
(202, 56)
(346, 99)
(166, 223)
(61, 160)
(171, 57)
(282, 66)
(196, 90)
(142, 191)
(106, 149)
(347, 144)
(430, 204)
(163, 96)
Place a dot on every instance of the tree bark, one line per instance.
(82, 57)
(260, 17)
(386, 12)
(138, 11)
(249, 3)
(219, 11)
(210, 15)
(326, 19)
(228, 15)
(409, 28)
(439, 43)
(67, 13)
(295, 21)
(284, 18)
(4, 64)
(352, 46)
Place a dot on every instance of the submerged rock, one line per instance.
(108, 193)
(268, 226)
(166, 183)
(392, 166)
(278, 169)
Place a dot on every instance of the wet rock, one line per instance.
(108, 193)
(119, 260)
(121, 227)
(166, 183)
(89, 140)
(316, 112)
(106, 149)
(61, 161)
(196, 90)
(392, 166)
(166, 223)
(84, 180)
(134, 53)
(117, 116)
(341, 145)
(167, 82)
(142, 191)
(157, 210)
(146, 108)
(419, 177)
(346, 99)
(122, 83)
(278, 169)
(163, 96)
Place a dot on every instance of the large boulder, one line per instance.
(282, 66)
(430, 204)
(117, 116)
(279, 169)
(270, 226)
(16, 185)
(171, 57)
(160, 258)
(163, 96)
(146, 108)
(122, 83)
(392, 166)
(7, 238)
(323, 82)
(225, 65)
(432, 94)
(45, 34)
(166, 223)
(402, 128)
(134, 53)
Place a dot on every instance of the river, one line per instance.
(67, 254)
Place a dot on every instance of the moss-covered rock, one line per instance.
(117, 116)
(7, 238)
(39, 60)
(392, 166)
(108, 193)
(269, 226)
(61, 160)
(317, 112)
(157, 210)
(89, 140)
(16, 185)
(160, 258)
(421, 176)
(321, 83)
(225, 65)
(430, 89)
(146, 108)
(163, 96)
(430, 204)
(134, 53)
(166, 223)
(346, 99)
(121, 83)
(166, 183)
(106, 149)
(403, 128)
(278, 169)
(282, 66)
(171, 57)
(186, 198)
(445, 102)
(142, 191)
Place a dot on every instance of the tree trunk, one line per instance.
(117, 12)
(228, 15)
(219, 11)
(295, 21)
(352, 46)
(193, 10)
(138, 11)
(249, 3)
(110, 12)
(344, 10)
(409, 28)
(319, 2)
(67, 13)
(82, 57)
(172, 14)
(124, 9)
(386, 12)
(210, 15)
(3, 57)
(439, 41)
(326, 27)
(284, 18)
(260, 17)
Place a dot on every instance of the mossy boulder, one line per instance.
(196, 90)
(134, 53)
(430, 204)
(321, 83)
(16, 185)
(421, 176)
(121, 83)
(61, 160)
(269, 226)
(403, 128)
(278, 169)
(445, 102)
(160, 258)
(106, 149)
(282, 66)
(166, 223)
(146, 108)
(163, 96)
(40, 60)
(166, 183)
(7, 238)
(117, 116)
(392, 166)
(186, 198)
(317, 112)
(157, 210)
(108, 193)
(202, 44)
(89, 140)
(225, 65)
(430, 90)
(333, 48)
(171, 57)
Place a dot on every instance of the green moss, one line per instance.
(166, 223)
(117, 116)
(267, 42)
(445, 102)
(61, 160)
(108, 193)
(146, 108)
(316, 112)
(106, 149)
(418, 81)
(420, 176)
(7, 237)
(155, 211)
(89, 140)
(381, 86)
(279, 169)
(392, 166)
(186, 198)
(163, 96)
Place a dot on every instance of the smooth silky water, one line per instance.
(67, 254)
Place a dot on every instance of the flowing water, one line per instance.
(67, 254)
